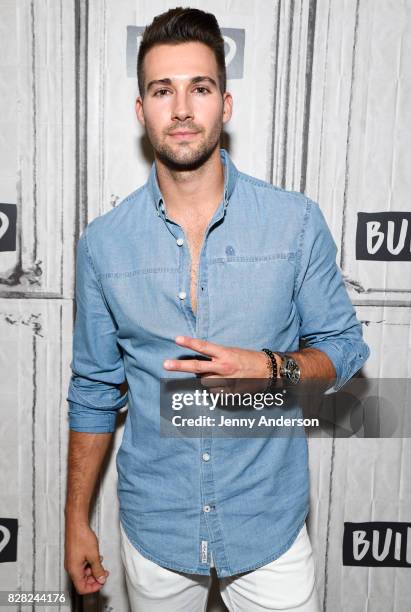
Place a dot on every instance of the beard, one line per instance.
(185, 156)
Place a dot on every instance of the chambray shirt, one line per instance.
(267, 277)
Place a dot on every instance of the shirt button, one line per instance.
(207, 508)
(180, 241)
(206, 457)
(182, 295)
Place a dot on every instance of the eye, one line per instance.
(160, 92)
(202, 90)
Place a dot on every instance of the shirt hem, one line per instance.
(162, 562)
(206, 571)
(273, 557)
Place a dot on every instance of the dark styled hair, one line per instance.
(180, 25)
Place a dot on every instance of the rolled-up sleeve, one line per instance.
(94, 396)
(328, 321)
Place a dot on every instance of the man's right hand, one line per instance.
(82, 559)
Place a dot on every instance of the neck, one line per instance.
(192, 193)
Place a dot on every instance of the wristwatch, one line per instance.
(289, 368)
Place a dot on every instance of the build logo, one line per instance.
(8, 217)
(8, 540)
(377, 544)
(384, 236)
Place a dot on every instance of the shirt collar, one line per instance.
(230, 177)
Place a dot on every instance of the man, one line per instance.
(194, 274)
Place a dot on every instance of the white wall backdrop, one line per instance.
(322, 92)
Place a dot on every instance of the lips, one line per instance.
(183, 133)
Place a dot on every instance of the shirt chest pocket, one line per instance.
(254, 294)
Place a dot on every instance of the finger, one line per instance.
(82, 582)
(83, 588)
(220, 390)
(195, 366)
(201, 346)
(210, 380)
(86, 587)
(98, 571)
(216, 384)
(90, 580)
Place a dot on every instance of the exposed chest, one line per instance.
(195, 239)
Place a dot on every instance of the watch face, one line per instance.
(293, 371)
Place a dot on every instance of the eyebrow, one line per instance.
(196, 79)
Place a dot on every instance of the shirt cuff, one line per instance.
(347, 361)
(85, 419)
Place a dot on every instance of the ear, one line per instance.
(140, 111)
(227, 106)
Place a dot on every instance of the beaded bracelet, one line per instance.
(272, 366)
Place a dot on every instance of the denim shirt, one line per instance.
(267, 277)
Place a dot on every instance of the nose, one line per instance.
(182, 109)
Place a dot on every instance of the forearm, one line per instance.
(313, 364)
(85, 458)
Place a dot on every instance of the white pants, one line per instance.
(284, 584)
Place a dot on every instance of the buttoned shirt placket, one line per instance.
(210, 531)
